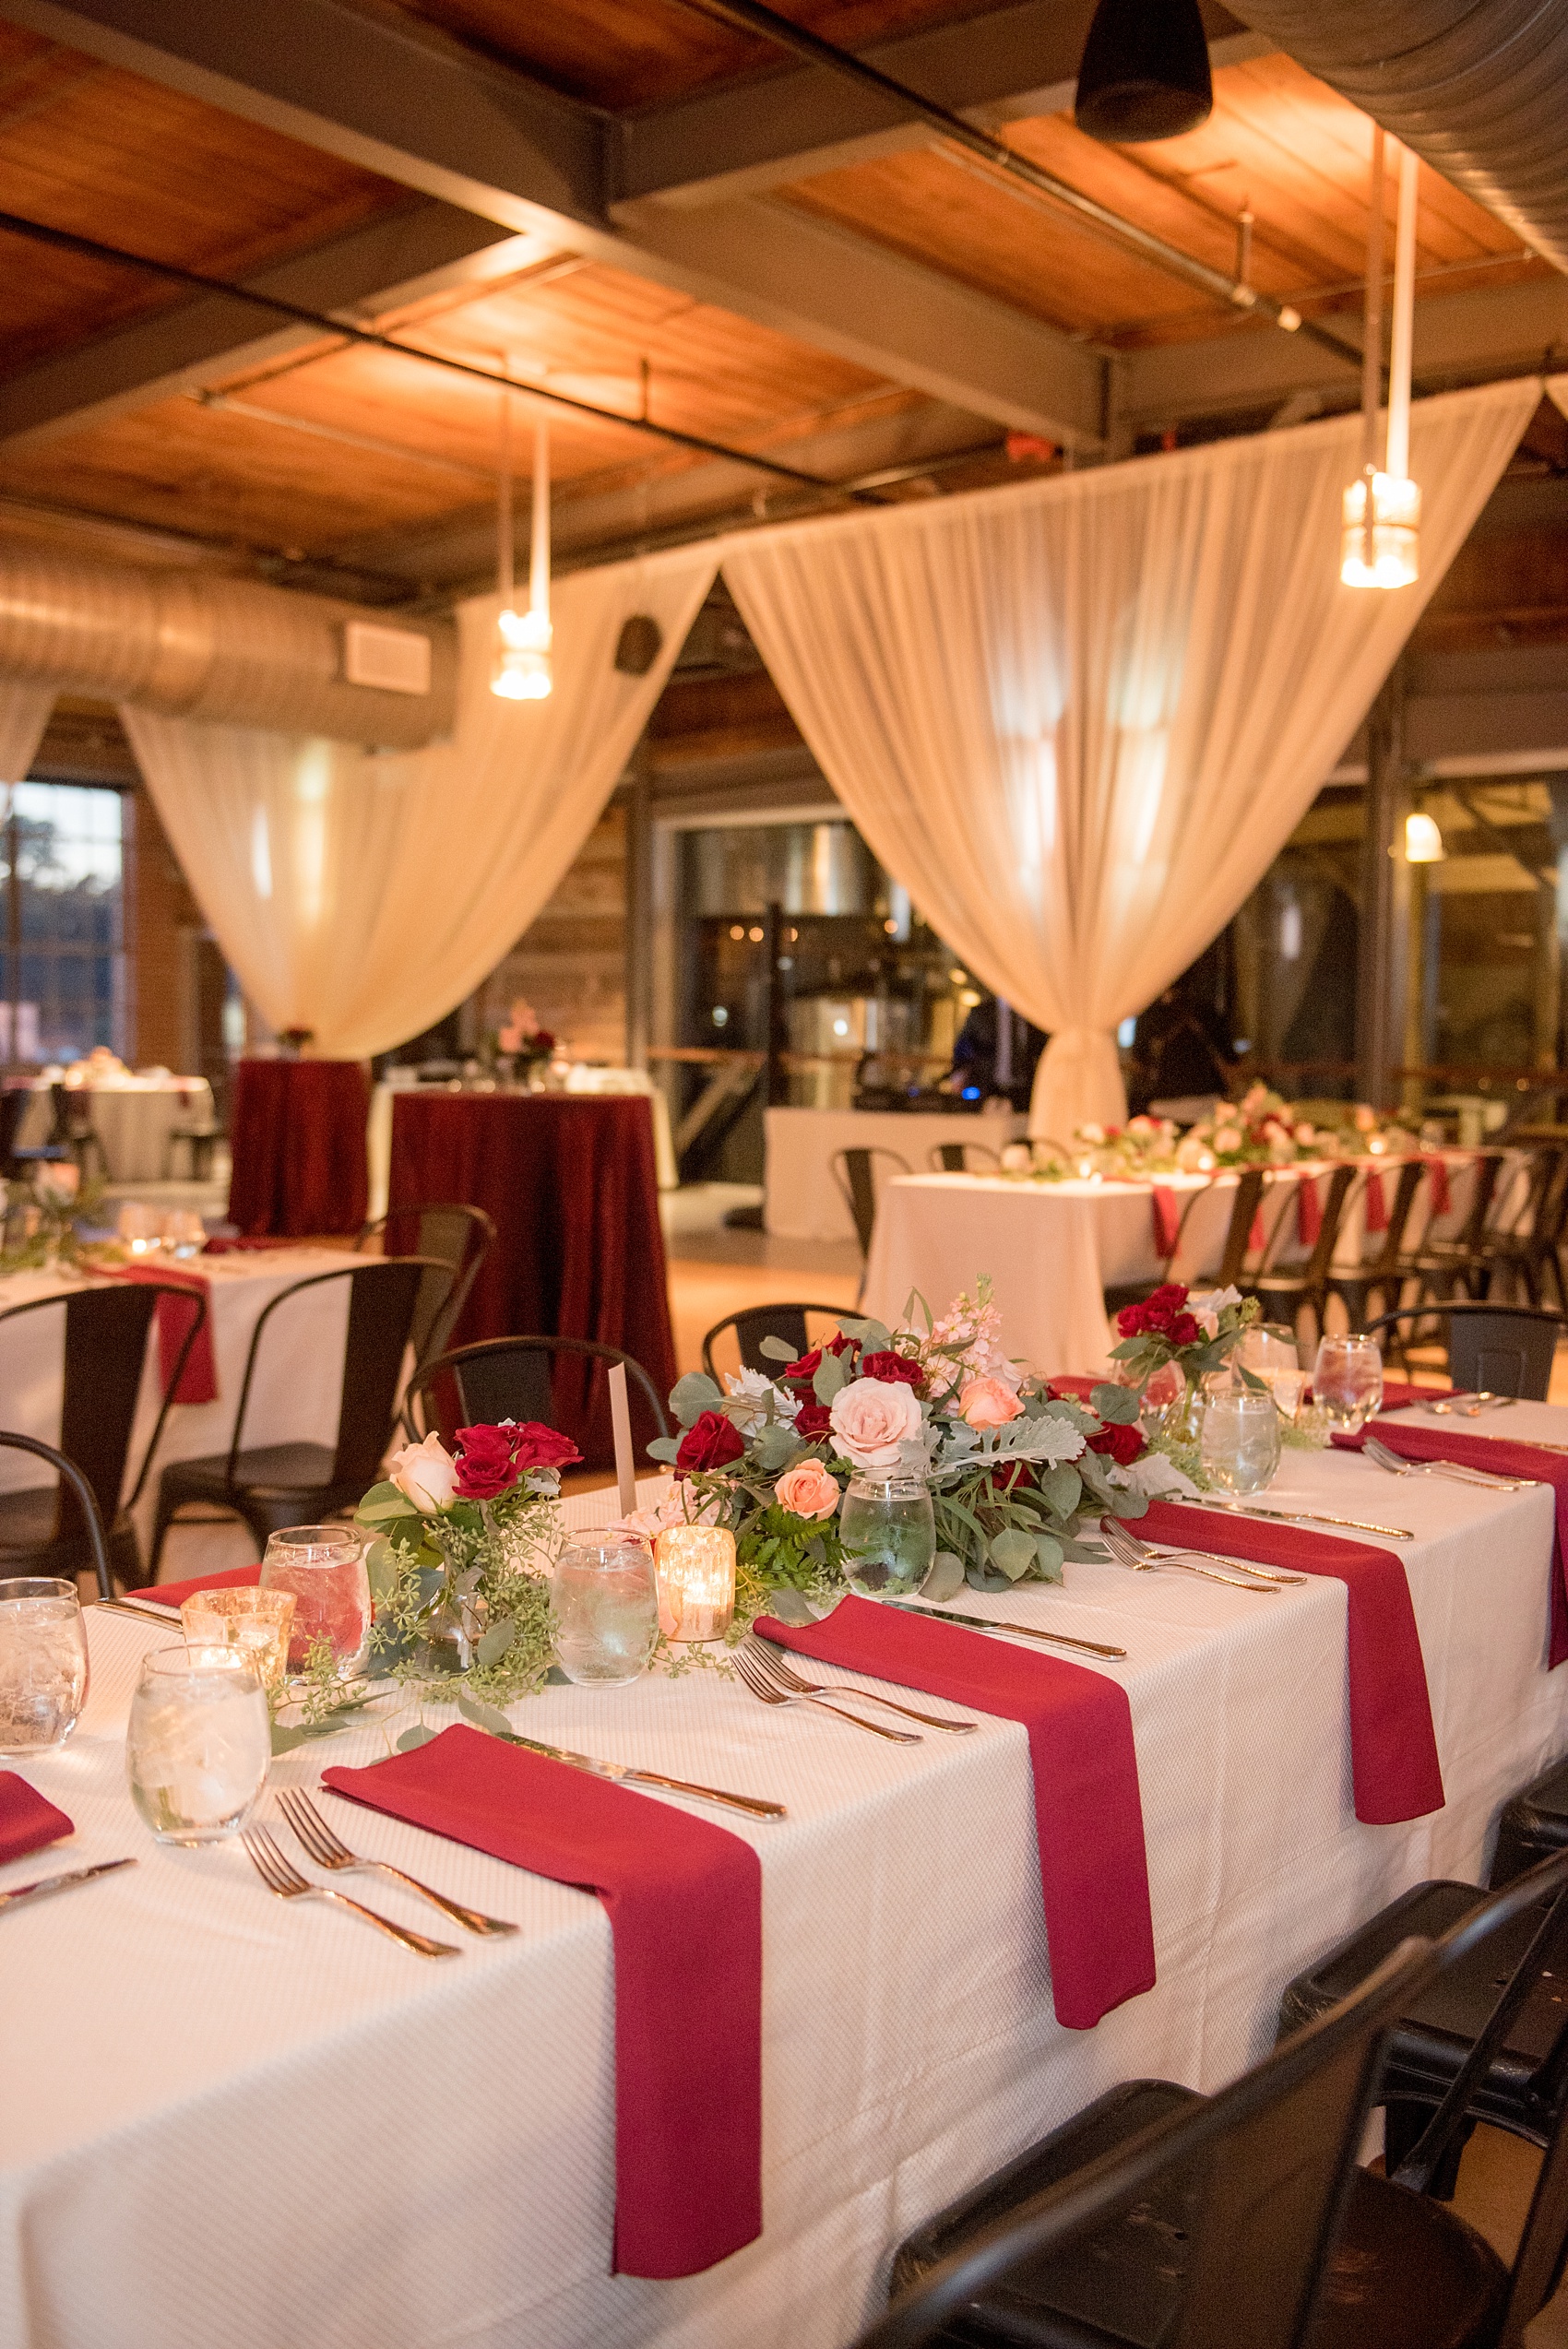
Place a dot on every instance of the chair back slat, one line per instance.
(1238, 1237)
(1503, 1349)
(855, 1173)
(105, 1355)
(785, 1321)
(513, 1378)
(86, 1502)
(382, 1300)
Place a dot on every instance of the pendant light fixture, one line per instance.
(521, 671)
(1380, 540)
(1143, 74)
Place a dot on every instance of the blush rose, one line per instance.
(987, 1403)
(426, 1473)
(871, 1418)
(807, 1491)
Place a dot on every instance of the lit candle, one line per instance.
(695, 1565)
(255, 1621)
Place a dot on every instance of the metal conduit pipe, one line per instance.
(1475, 86)
(193, 645)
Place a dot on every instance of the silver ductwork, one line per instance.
(1476, 87)
(193, 644)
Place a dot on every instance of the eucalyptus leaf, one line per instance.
(483, 1716)
(1129, 1504)
(556, 1679)
(418, 1736)
(1083, 1553)
(494, 1643)
(829, 1377)
(945, 1578)
(978, 1580)
(875, 1338)
(381, 1571)
(1118, 1406)
(774, 1447)
(1061, 1488)
(663, 1448)
(791, 1605)
(1012, 1553)
(1048, 1554)
(693, 1394)
(778, 1349)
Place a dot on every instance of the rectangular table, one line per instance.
(134, 1116)
(228, 2119)
(801, 1200)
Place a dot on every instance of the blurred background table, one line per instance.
(298, 1138)
(802, 1201)
(570, 1183)
(133, 1116)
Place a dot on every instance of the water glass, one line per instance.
(325, 1568)
(43, 1669)
(888, 1528)
(140, 1228)
(604, 1612)
(1239, 1443)
(1348, 1380)
(256, 1623)
(1268, 1352)
(184, 1234)
(198, 1743)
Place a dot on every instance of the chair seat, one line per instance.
(272, 1468)
(29, 1544)
(1407, 2273)
(1534, 1825)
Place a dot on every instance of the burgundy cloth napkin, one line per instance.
(229, 1244)
(684, 1903)
(1309, 1210)
(1437, 1177)
(1089, 1814)
(1166, 1219)
(175, 1594)
(1504, 1457)
(1393, 1745)
(1377, 1211)
(26, 1821)
(198, 1380)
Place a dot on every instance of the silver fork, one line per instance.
(774, 1665)
(1455, 1470)
(280, 1876)
(1128, 1551)
(760, 1685)
(328, 1850)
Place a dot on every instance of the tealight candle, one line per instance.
(255, 1621)
(695, 1565)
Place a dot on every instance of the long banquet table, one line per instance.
(802, 1201)
(232, 2120)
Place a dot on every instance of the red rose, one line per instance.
(536, 1446)
(710, 1444)
(1122, 1442)
(1183, 1330)
(894, 1369)
(485, 1466)
(812, 1421)
(806, 1366)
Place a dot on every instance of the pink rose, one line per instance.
(872, 1418)
(807, 1491)
(986, 1402)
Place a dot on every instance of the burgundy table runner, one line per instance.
(1393, 1744)
(1089, 1813)
(684, 1903)
(27, 1821)
(300, 1167)
(569, 1181)
(175, 1594)
(198, 1380)
(1503, 1456)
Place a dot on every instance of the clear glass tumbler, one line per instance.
(1239, 1443)
(43, 1668)
(1269, 1350)
(198, 1743)
(888, 1528)
(1348, 1380)
(325, 1568)
(604, 1612)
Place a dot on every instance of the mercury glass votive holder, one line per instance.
(695, 1566)
(256, 1622)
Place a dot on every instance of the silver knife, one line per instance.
(1301, 1517)
(35, 1891)
(990, 1623)
(621, 1770)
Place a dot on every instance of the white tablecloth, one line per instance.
(801, 1200)
(134, 1119)
(229, 2121)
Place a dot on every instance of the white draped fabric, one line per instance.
(24, 714)
(1079, 718)
(360, 893)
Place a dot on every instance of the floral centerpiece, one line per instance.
(1127, 1152)
(1171, 1340)
(39, 1216)
(520, 1039)
(1013, 1469)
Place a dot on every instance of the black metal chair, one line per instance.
(1531, 1252)
(854, 1171)
(450, 1234)
(1379, 1274)
(786, 1322)
(1534, 1824)
(82, 1493)
(1173, 2221)
(41, 1528)
(953, 1158)
(1133, 1292)
(1517, 1208)
(512, 1378)
(1442, 1265)
(276, 1485)
(74, 1130)
(1492, 1349)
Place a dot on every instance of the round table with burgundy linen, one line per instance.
(297, 1133)
(569, 1181)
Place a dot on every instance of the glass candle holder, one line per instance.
(888, 1528)
(1239, 1444)
(604, 1612)
(325, 1568)
(43, 1668)
(1348, 1380)
(695, 1565)
(198, 1743)
(254, 1623)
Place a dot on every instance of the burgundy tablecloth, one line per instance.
(297, 1131)
(569, 1183)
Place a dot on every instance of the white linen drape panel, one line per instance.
(1078, 719)
(1557, 391)
(362, 894)
(24, 714)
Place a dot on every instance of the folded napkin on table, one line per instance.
(26, 1821)
(198, 1380)
(175, 1594)
(1167, 1218)
(684, 1903)
(1393, 1744)
(1503, 1456)
(1094, 1870)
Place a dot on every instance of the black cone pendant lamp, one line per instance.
(1143, 74)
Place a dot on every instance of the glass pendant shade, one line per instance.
(1143, 74)
(521, 671)
(1423, 841)
(1381, 548)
